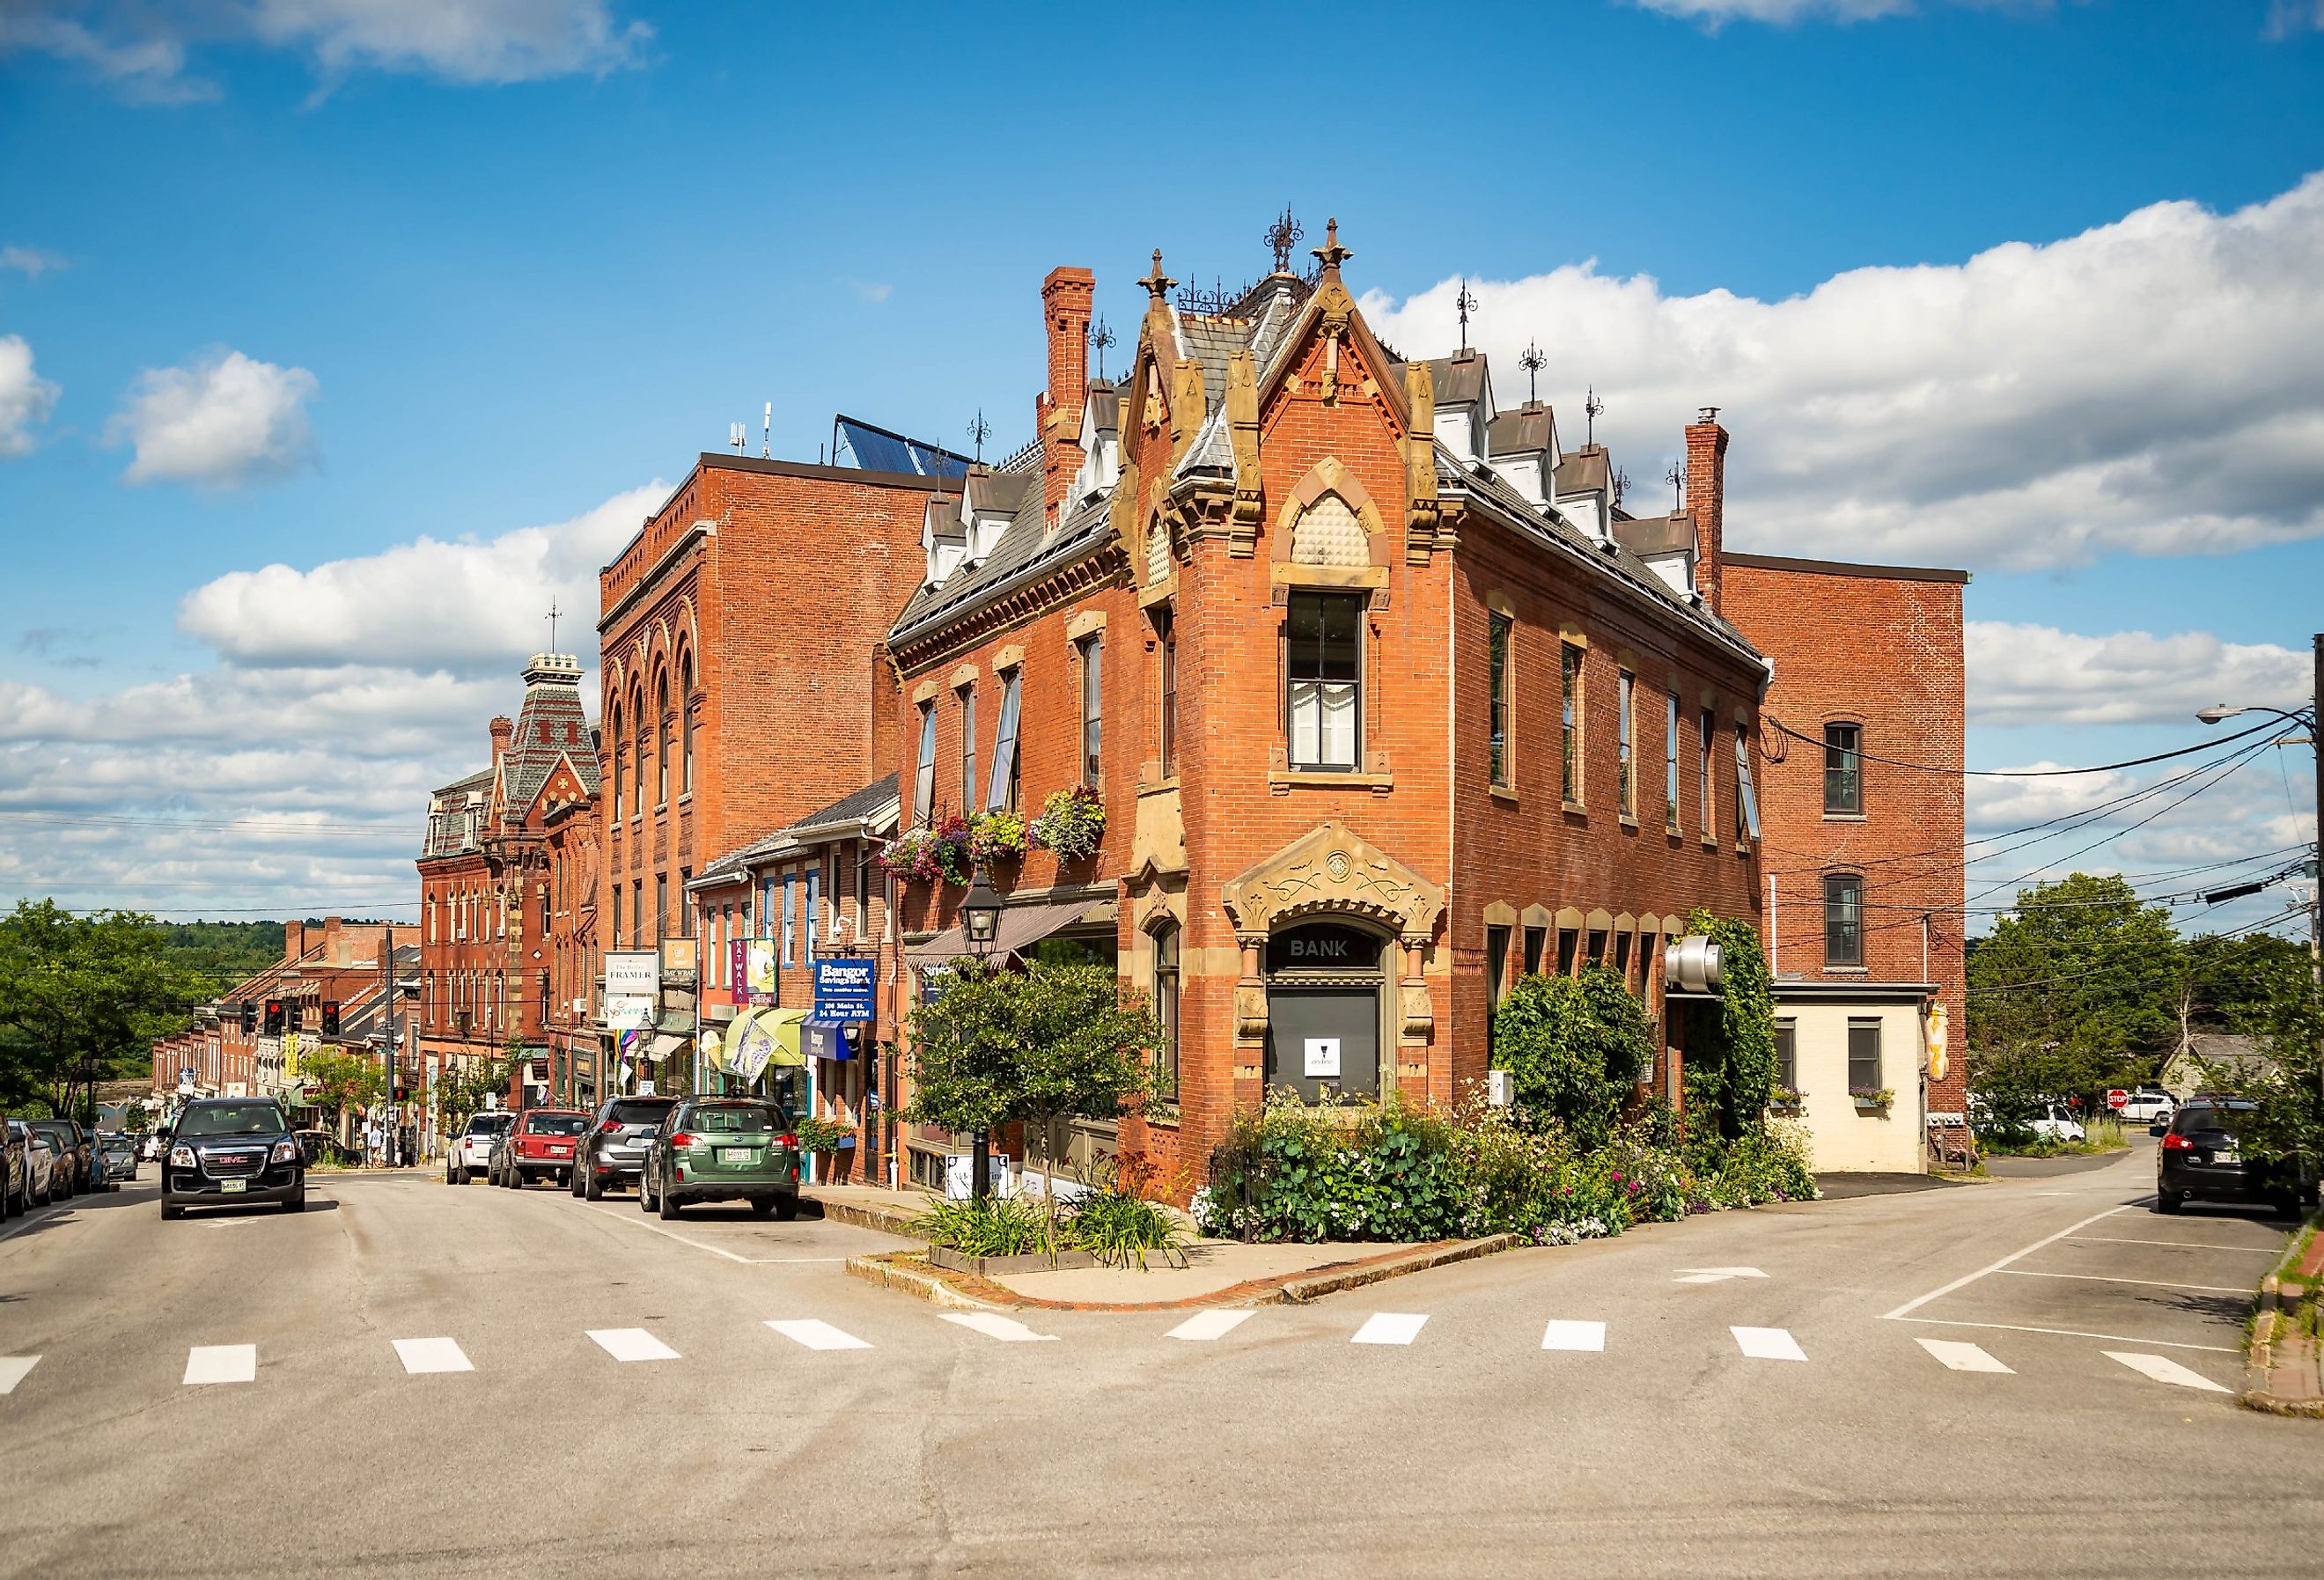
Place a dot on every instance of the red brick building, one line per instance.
(508, 878)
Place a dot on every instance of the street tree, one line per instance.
(998, 1047)
(341, 1081)
(82, 999)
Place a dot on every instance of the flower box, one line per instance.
(1873, 1099)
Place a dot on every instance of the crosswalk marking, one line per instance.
(1205, 1325)
(818, 1336)
(12, 1369)
(991, 1324)
(1573, 1336)
(2163, 1370)
(431, 1354)
(1389, 1327)
(632, 1344)
(206, 1363)
(1956, 1356)
(1768, 1343)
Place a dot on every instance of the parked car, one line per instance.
(119, 1151)
(723, 1149)
(314, 1146)
(15, 1186)
(225, 1150)
(2202, 1157)
(540, 1145)
(75, 1158)
(2057, 1123)
(470, 1152)
(2149, 1106)
(613, 1155)
(42, 1170)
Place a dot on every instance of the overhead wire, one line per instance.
(1953, 768)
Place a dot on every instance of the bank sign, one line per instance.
(844, 988)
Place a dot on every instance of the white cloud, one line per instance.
(143, 46)
(471, 605)
(1779, 11)
(2022, 674)
(2155, 386)
(225, 420)
(871, 291)
(32, 263)
(26, 397)
(2287, 17)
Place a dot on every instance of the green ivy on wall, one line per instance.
(1735, 1075)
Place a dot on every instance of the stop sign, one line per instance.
(2116, 1097)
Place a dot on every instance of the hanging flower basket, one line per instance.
(950, 838)
(911, 855)
(1071, 823)
(997, 836)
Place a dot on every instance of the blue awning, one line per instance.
(825, 1040)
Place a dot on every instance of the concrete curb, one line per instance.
(2268, 1358)
(1299, 1289)
(886, 1220)
(894, 1272)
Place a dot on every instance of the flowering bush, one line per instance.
(995, 836)
(1071, 822)
(911, 855)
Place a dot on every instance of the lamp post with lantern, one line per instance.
(980, 921)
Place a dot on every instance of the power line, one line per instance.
(1950, 769)
(2118, 970)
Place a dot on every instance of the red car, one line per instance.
(539, 1146)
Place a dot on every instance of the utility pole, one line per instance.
(2316, 872)
(387, 970)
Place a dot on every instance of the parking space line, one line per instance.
(2120, 1338)
(1573, 1336)
(1955, 1356)
(1909, 1306)
(639, 1222)
(1389, 1327)
(2019, 1272)
(2182, 1245)
(1203, 1326)
(632, 1344)
(2164, 1370)
(993, 1325)
(818, 1336)
(1768, 1343)
(430, 1354)
(12, 1369)
(208, 1364)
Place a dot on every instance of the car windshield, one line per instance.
(232, 1119)
(487, 1125)
(557, 1124)
(638, 1112)
(736, 1119)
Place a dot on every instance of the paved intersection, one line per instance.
(433, 1381)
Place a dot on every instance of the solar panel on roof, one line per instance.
(876, 449)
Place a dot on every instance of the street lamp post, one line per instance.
(980, 918)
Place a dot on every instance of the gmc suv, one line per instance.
(227, 1151)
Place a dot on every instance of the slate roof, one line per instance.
(1657, 534)
(1024, 550)
(1458, 379)
(1583, 470)
(551, 727)
(857, 805)
(1524, 431)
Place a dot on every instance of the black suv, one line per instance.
(613, 1155)
(2200, 1156)
(224, 1150)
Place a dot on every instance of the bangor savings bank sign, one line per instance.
(844, 988)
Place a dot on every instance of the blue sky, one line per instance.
(308, 282)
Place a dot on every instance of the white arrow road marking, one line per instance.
(1714, 1275)
(1768, 1343)
(1389, 1327)
(818, 1336)
(221, 1364)
(1205, 1325)
(991, 1324)
(2163, 1371)
(1956, 1356)
(431, 1354)
(12, 1369)
(632, 1344)
(1574, 1336)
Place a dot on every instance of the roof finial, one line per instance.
(1533, 361)
(980, 431)
(1676, 478)
(551, 618)
(1331, 253)
(1466, 300)
(1591, 406)
(1157, 284)
(1100, 337)
(1283, 236)
(1621, 481)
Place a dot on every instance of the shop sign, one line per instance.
(754, 972)
(1323, 946)
(628, 1011)
(633, 974)
(846, 986)
(825, 1040)
(678, 958)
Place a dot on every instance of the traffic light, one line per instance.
(274, 1017)
(249, 1017)
(330, 1017)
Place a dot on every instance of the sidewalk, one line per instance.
(2284, 1367)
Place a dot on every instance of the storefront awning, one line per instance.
(763, 1037)
(1021, 927)
(664, 1045)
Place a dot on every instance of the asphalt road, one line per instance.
(1300, 1441)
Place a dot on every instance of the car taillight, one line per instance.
(611, 1127)
(2175, 1142)
(681, 1140)
(787, 1141)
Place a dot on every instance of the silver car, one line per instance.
(613, 1155)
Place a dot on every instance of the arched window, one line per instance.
(686, 723)
(661, 740)
(1166, 1010)
(637, 750)
(619, 760)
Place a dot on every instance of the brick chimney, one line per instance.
(503, 730)
(1706, 496)
(294, 940)
(1066, 297)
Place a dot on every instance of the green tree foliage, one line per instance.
(1574, 1046)
(998, 1047)
(1730, 1062)
(82, 999)
(223, 954)
(2270, 996)
(336, 1082)
(2081, 988)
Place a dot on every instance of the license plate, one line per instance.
(233, 1186)
(2226, 1155)
(560, 1151)
(737, 1155)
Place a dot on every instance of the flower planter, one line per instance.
(1036, 1261)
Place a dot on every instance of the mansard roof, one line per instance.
(550, 728)
(1026, 548)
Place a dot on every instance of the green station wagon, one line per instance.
(723, 1149)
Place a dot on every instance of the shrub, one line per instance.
(1574, 1046)
(1732, 1078)
(1071, 823)
(819, 1135)
(989, 1225)
(1118, 1228)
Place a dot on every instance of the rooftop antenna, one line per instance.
(1677, 480)
(552, 625)
(735, 432)
(1591, 406)
(767, 442)
(1621, 483)
(980, 431)
(1100, 337)
(1466, 300)
(1283, 236)
(1533, 361)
